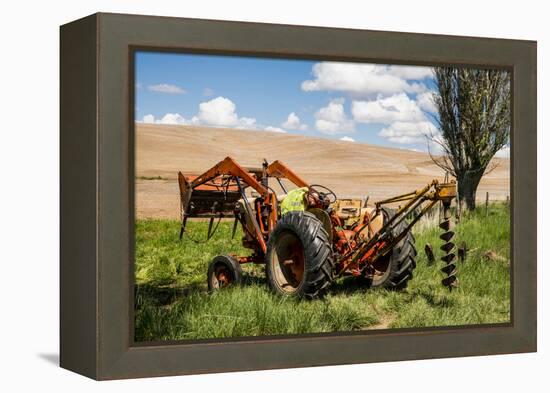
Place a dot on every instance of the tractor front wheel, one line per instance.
(299, 258)
(394, 270)
(223, 271)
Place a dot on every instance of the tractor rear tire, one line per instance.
(396, 268)
(299, 259)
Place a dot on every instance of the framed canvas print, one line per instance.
(240, 196)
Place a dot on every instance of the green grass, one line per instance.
(172, 302)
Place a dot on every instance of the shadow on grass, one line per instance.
(166, 294)
(435, 300)
(253, 279)
(348, 285)
(163, 294)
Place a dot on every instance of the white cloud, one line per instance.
(398, 107)
(166, 88)
(347, 139)
(274, 129)
(173, 118)
(405, 121)
(425, 102)
(366, 79)
(332, 119)
(221, 112)
(149, 119)
(169, 118)
(392, 95)
(293, 123)
(408, 132)
(504, 152)
(218, 112)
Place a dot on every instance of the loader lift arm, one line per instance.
(215, 192)
(280, 171)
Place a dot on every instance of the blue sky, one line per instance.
(366, 103)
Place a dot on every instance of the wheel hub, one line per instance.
(288, 262)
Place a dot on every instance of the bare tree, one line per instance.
(473, 108)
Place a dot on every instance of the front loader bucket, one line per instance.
(207, 200)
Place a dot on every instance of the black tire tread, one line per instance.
(233, 265)
(319, 260)
(402, 258)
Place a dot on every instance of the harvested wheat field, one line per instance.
(350, 169)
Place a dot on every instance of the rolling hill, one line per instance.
(350, 169)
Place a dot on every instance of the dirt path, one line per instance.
(384, 323)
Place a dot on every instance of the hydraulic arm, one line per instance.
(416, 205)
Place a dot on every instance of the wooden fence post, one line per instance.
(487, 204)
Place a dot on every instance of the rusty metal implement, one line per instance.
(361, 236)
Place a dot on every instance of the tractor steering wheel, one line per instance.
(329, 195)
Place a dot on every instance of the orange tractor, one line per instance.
(306, 248)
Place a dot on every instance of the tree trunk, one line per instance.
(467, 187)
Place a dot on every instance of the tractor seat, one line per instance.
(348, 208)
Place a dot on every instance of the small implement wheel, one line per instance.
(223, 271)
(299, 259)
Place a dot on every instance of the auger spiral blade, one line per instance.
(448, 258)
(445, 225)
(447, 247)
(446, 236)
(449, 269)
(450, 280)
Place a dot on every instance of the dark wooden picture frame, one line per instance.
(97, 196)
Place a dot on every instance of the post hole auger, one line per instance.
(416, 205)
(448, 247)
(316, 237)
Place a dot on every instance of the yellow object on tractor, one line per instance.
(295, 200)
(307, 237)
